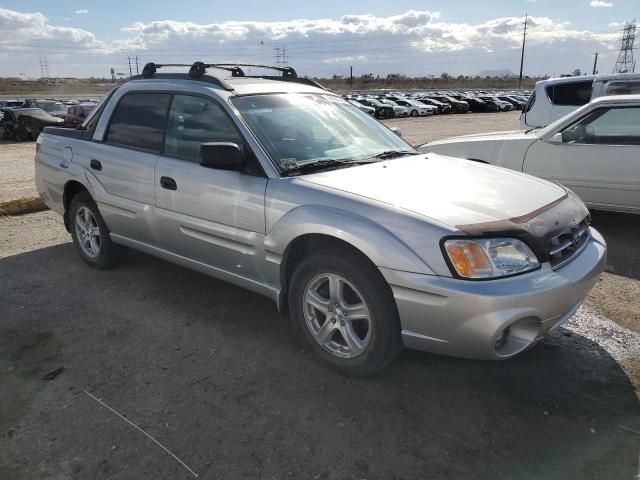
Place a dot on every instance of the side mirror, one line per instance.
(556, 138)
(221, 155)
(397, 131)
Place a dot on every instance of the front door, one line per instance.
(209, 215)
(598, 158)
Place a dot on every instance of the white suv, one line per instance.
(554, 98)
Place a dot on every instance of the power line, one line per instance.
(625, 62)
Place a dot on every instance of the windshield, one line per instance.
(52, 106)
(300, 130)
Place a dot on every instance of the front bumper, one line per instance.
(466, 318)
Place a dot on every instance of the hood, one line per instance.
(448, 190)
(479, 137)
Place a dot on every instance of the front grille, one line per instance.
(566, 246)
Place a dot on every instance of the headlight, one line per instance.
(483, 258)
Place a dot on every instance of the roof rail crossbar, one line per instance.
(197, 71)
(288, 72)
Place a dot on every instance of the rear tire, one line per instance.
(343, 308)
(90, 234)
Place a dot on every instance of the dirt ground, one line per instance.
(16, 170)
(417, 131)
(214, 374)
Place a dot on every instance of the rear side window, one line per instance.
(138, 121)
(623, 88)
(574, 94)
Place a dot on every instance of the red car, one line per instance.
(77, 114)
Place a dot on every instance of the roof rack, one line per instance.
(197, 71)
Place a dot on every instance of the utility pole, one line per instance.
(284, 55)
(625, 62)
(524, 40)
(130, 71)
(351, 77)
(595, 64)
(277, 55)
(137, 70)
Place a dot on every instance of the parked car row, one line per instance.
(414, 104)
(23, 120)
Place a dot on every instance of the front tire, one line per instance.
(90, 234)
(414, 113)
(342, 307)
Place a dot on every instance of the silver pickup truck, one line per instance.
(281, 187)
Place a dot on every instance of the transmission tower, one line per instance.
(281, 55)
(625, 62)
(44, 67)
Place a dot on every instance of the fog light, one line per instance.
(502, 339)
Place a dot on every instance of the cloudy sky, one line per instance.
(321, 38)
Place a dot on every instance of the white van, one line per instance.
(554, 98)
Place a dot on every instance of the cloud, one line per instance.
(413, 42)
(81, 12)
(600, 4)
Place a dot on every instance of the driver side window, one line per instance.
(193, 121)
(606, 126)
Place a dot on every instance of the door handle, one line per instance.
(96, 165)
(168, 183)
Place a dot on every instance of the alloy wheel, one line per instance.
(87, 232)
(337, 315)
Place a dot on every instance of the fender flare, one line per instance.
(377, 243)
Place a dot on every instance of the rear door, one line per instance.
(210, 215)
(599, 158)
(121, 167)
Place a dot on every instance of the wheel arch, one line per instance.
(308, 229)
(71, 189)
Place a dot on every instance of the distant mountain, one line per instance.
(505, 72)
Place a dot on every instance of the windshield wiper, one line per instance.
(386, 155)
(319, 165)
(328, 163)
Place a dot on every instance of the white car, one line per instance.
(594, 151)
(365, 108)
(416, 108)
(399, 110)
